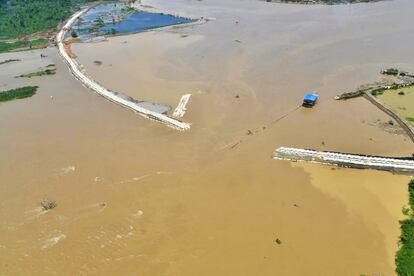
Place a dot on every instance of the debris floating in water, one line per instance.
(53, 241)
(139, 214)
(48, 204)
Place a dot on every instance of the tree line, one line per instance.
(23, 17)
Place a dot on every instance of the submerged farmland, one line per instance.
(119, 18)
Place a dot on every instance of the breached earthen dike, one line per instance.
(112, 96)
(207, 209)
(399, 165)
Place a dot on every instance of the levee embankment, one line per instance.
(115, 97)
(397, 165)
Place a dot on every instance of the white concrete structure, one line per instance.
(345, 160)
(181, 107)
(76, 70)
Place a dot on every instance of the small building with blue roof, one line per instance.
(310, 100)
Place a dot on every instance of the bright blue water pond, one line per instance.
(117, 18)
(140, 21)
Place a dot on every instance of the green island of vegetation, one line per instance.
(9, 61)
(50, 70)
(17, 93)
(22, 45)
(405, 255)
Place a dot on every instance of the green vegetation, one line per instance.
(390, 71)
(43, 72)
(8, 61)
(378, 91)
(406, 211)
(405, 255)
(18, 93)
(23, 17)
(411, 119)
(350, 95)
(19, 18)
(397, 72)
(99, 22)
(22, 45)
(128, 9)
(405, 80)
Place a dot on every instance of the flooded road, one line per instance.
(136, 197)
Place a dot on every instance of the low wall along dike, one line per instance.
(399, 165)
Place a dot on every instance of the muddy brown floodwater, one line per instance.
(138, 198)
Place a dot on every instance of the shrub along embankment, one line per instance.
(405, 255)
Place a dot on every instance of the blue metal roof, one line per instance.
(311, 97)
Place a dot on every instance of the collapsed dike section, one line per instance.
(404, 165)
(110, 95)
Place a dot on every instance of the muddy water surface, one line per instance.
(135, 197)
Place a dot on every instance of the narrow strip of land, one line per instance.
(402, 165)
(112, 96)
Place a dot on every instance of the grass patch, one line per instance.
(22, 45)
(40, 73)
(410, 119)
(405, 255)
(18, 93)
(8, 61)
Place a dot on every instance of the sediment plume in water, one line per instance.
(223, 207)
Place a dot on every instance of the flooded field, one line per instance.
(402, 103)
(120, 18)
(136, 197)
